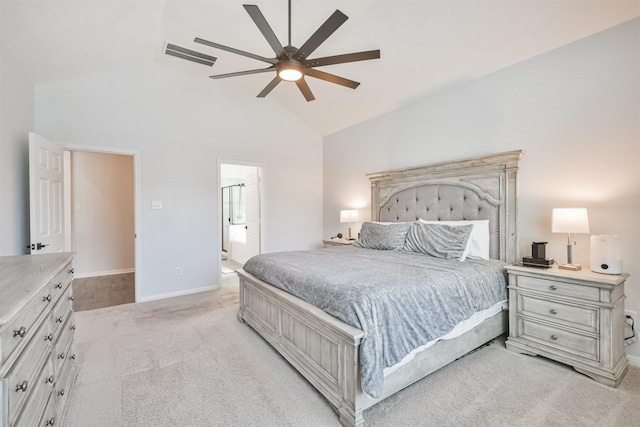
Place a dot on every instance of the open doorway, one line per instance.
(101, 227)
(240, 219)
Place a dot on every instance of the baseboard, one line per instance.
(103, 273)
(179, 294)
(634, 361)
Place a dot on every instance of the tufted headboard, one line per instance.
(477, 188)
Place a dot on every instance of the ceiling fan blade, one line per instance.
(341, 59)
(242, 73)
(189, 55)
(304, 88)
(272, 84)
(265, 29)
(236, 51)
(332, 78)
(329, 27)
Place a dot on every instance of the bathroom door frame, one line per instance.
(263, 206)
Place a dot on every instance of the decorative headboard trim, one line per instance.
(494, 178)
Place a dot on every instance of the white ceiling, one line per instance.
(426, 46)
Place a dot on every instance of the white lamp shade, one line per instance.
(349, 216)
(569, 220)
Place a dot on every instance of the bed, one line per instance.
(326, 350)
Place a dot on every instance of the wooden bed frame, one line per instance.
(325, 350)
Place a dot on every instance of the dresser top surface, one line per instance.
(21, 276)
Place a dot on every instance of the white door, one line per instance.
(46, 195)
(252, 187)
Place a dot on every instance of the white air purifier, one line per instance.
(606, 254)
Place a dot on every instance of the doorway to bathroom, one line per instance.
(241, 200)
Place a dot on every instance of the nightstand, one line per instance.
(573, 317)
(337, 242)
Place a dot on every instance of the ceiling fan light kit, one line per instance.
(291, 63)
(290, 70)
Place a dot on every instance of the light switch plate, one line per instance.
(156, 204)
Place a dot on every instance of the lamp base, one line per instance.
(572, 267)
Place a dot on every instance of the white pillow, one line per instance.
(479, 242)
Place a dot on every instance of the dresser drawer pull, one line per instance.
(23, 386)
(553, 311)
(553, 287)
(58, 285)
(72, 328)
(48, 337)
(72, 357)
(49, 380)
(70, 298)
(61, 356)
(72, 271)
(20, 332)
(50, 422)
(61, 392)
(47, 298)
(554, 337)
(59, 319)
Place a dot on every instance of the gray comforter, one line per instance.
(401, 300)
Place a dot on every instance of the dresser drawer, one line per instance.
(559, 288)
(41, 393)
(585, 318)
(22, 377)
(60, 282)
(20, 328)
(49, 418)
(564, 341)
(64, 383)
(61, 311)
(63, 344)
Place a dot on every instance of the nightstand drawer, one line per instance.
(563, 341)
(584, 318)
(556, 287)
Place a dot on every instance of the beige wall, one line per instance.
(102, 213)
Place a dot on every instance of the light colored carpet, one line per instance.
(187, 361)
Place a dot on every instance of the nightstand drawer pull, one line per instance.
(554, 337)
(553, 311)
(553, 287)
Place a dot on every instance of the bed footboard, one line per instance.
(323, 349)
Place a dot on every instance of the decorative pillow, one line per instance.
(385, 236)
(479, 241)
(438, 240)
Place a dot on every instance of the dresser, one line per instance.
(37, 357)
(574, 317)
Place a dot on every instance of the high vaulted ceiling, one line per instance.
(426, 46)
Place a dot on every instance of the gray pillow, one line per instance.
(385, 236)
(438, 240)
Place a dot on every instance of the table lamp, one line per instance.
(349, 216)
(570, 221)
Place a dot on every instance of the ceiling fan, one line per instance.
(291, 63)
